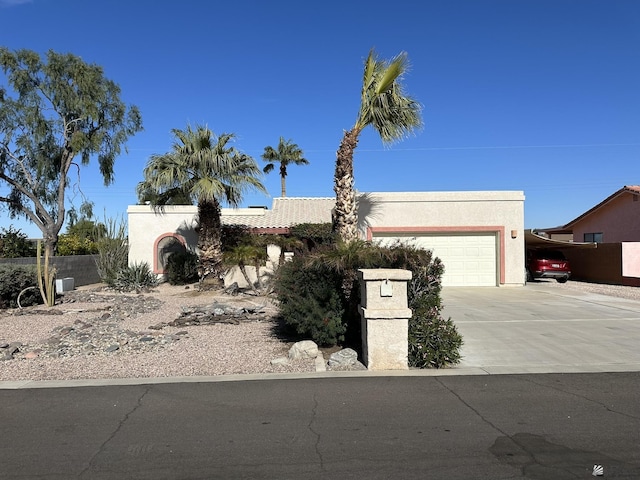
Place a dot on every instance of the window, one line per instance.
(593, 237)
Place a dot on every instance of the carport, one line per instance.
(534, 241)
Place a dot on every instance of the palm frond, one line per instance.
(384, 105)
(391, 72)
(200, 165)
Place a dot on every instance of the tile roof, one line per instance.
(285, 212)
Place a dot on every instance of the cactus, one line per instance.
(46, 277)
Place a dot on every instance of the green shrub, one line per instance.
(310, 302)
(72, 244)
(433, 341)
(234, 235)
(313, 235)
(86, 228)
(324, 286)
(182, 268)
(15, 244)
(13, 280)
(137, 277)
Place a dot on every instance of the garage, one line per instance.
(478, 235)
(469, 259)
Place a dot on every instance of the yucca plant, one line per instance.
(137, 277)
(113, 251)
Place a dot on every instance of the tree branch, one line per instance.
(41, 214)
(32, 216)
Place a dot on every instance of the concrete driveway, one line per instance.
(540, 328)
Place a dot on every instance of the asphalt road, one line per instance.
(545, 426)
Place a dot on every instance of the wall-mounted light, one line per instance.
(514, 233)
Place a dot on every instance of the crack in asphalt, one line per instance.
(603, 405)
(115, 432)
(533, 459)
(314, 412)
(485, 420)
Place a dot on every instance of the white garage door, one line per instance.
(469, 259)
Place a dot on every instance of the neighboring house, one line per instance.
(479, 236)
(615, 219)
(614, 225)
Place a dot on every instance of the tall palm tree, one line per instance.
(286, 153)
(203, 167)
(392, 113)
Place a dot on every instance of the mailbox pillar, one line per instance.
(385, 318)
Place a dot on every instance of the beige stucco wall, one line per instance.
(501, 212)
(146, 227)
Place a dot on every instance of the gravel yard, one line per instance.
(631, 293)
(95, 335)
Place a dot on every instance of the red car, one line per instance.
(547, 264)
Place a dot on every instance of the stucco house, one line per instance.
(614, 226)
(615, 219)
(479, 236)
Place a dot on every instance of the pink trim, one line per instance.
(487, 229)
(270, 230)
(180, 238)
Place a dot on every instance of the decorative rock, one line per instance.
(31, 355)
(343, 358)
(280, 361)
(303, 349)
(101, 333)
(232, 289)
(8, 350)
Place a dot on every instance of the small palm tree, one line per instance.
(243, 255)
(286, 153)
(392, 113)
(203, 167)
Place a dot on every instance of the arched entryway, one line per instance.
(163, 247)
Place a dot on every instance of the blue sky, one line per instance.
(541, 96)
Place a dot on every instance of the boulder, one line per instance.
(343, 358)
(303, 349)
(280, 361)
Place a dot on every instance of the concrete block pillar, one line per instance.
(385, 318)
